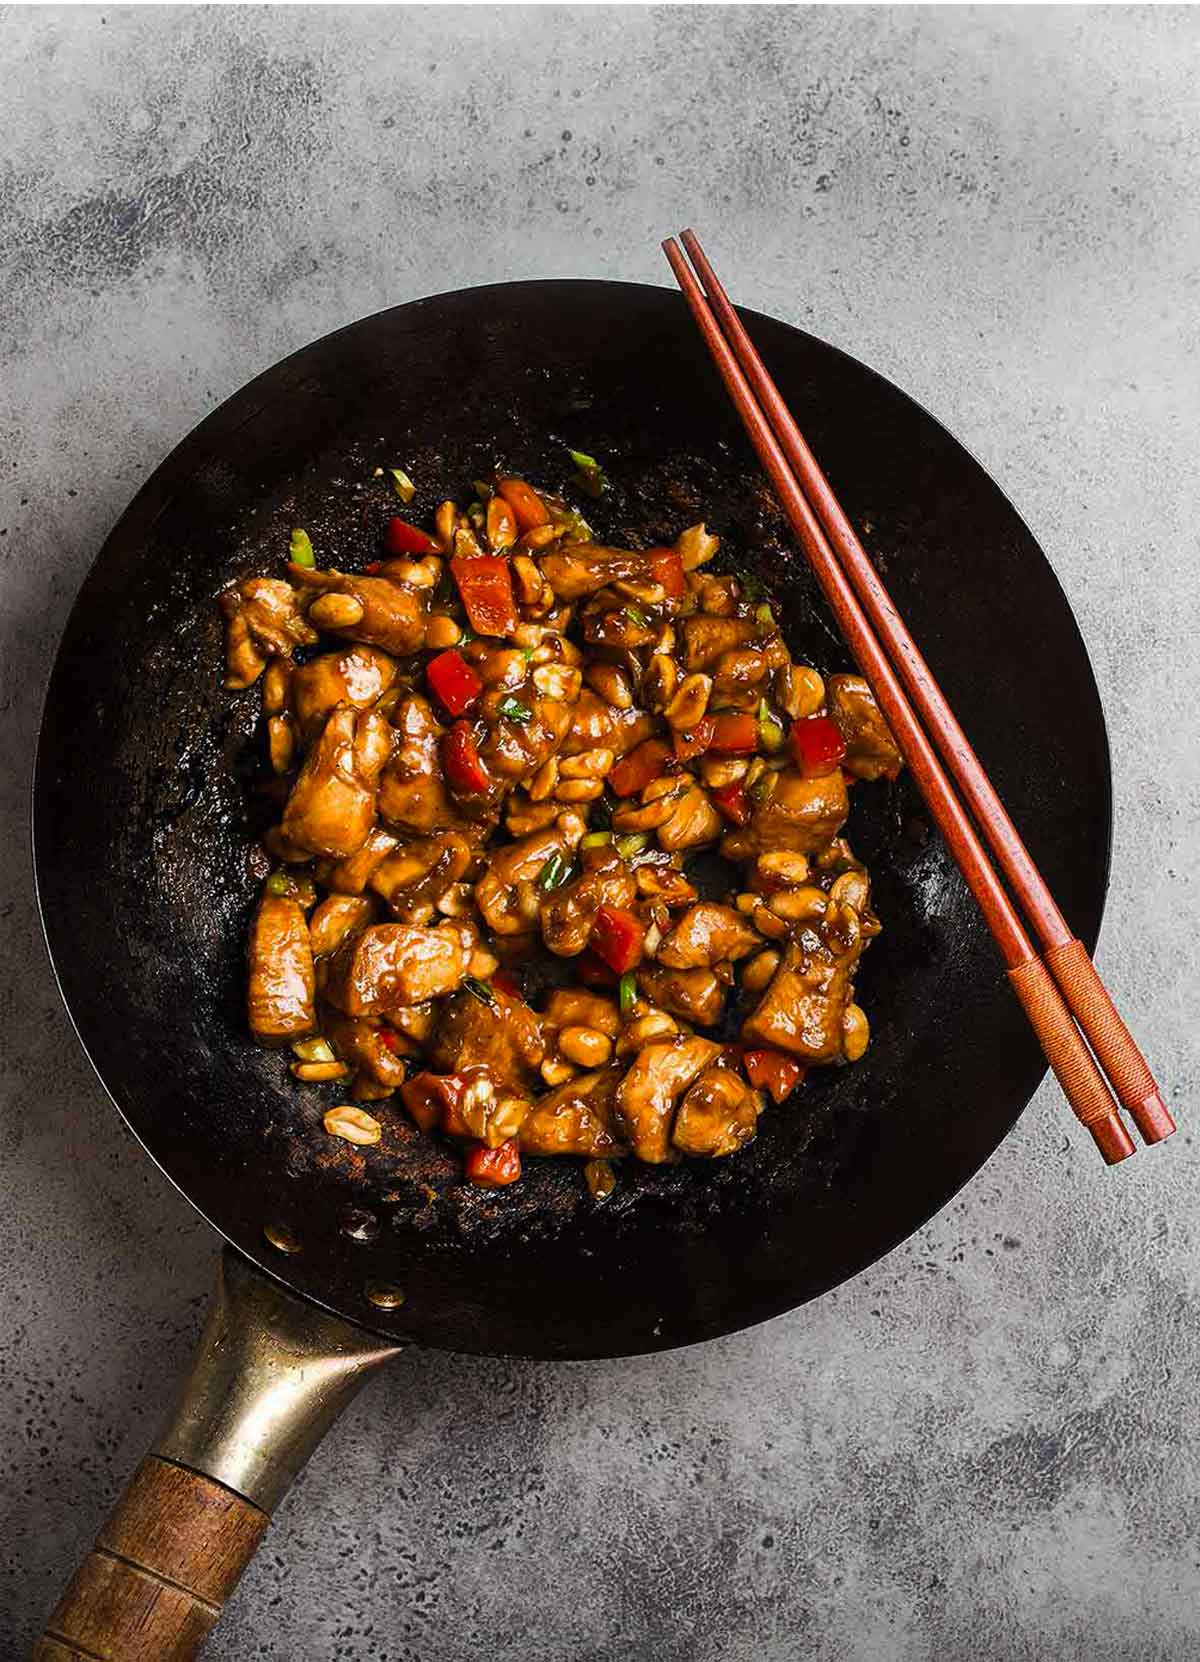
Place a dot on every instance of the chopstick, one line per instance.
(818, 525)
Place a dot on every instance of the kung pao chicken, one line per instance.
(500, 747)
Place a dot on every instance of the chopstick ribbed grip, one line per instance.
(1112, 1041)
(1090, 1098)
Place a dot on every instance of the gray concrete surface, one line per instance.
(986, 1447)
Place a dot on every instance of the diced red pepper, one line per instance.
(403, 538)
(592, 971)
(697, 740)
(455, 684)
(485, 583)
(528, 508)
(617, 937)
(734, 734)
(816, 745)
(494, 1168)
(372, 566)
(732, 801)
(643, 763)
(666, 568)
(429, 1097)
(390, 1041)
(773, 1071)
(460, 761)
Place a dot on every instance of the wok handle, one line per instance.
(271, 1375)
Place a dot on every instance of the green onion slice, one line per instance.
(553, 874)
(300, 552)
(514, 709)
(479, 989)
(627, 994)
(404, 487)
(596, 839)
(632, 843)
(636, 615)
(279, 883)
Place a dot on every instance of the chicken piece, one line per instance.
(412, 792)
(718, 1115)
(514, 749)
(871, 751)
(414, 877)
(738, 678)
(693, 822)
(597, 725)
(612, 622)
(507, 893)
(577, 1007)
(332, 806)
(706, 639)
(802, 816)
(281, 985)
(647, 1095)
(351, 875)
(581, 568)
(708, 934)
(392, 965)
(568, 913)
(802, 1009)
(694, 994)
(262, 620)
(577, 1118)
(389, 614)
(505, 1037)
(356, 676)
(368, 1047)
(338, 916)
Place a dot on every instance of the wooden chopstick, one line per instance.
(1068, 1055)
(1067, 958)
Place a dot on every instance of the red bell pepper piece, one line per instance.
(460, 761)
(773, 1071)
(816, 745)
(697, 740)
(390, 1041)
(592, 971)
(372, 566)
(617, 937)
(734, 734)
(455, 684)
(643, 763)
(485, 583)
(528, 508)
(494, 1168)
(403, 538)
(732, 801)
(666, 568)
(429, 1097)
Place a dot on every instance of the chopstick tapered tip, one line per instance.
(1153, 1118)
(1112, 1139)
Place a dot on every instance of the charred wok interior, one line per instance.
(501, 753)
(148, 817)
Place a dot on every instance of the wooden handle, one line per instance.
(165, 1562)
(1091, 1100)
(1114, 1044)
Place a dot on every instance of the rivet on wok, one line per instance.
(384, 1297)
(360, 1226)
(280, 1238)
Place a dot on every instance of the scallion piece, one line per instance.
(764, 616)
(631, 843)
(403, 485)
(596, 839)
(313, 1050)
(627, 994)
(602, 811)
(300, 552)
(636, 615)
(591, 474)
(769, 731)
(553, 873)
(479, 990)
(279, 884)
(514, 709)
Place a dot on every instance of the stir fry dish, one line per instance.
(559, 865)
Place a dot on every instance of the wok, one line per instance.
(144, 831)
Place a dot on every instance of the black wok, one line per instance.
(145, 823)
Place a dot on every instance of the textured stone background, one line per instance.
(986, 1447)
